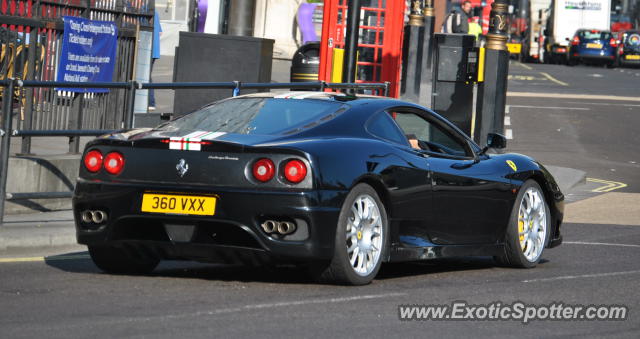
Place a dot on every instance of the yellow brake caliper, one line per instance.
(521, 231)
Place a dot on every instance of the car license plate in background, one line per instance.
(514, 48)
(598, 46)
(178, 204)
(632, 57)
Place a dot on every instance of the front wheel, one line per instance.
(528, 230)
(361, 238)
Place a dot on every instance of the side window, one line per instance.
(381, 125)
(430, 136)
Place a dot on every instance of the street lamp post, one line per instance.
(413, 48)
(351, 42)
(427, 50)
(492, 93)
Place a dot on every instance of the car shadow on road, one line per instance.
(80, 262)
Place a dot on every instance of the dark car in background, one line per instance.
(629, 48)
(593, 46)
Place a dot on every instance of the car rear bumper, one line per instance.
(233, 233)
(623, 60)
(592, 55)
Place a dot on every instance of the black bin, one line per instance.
(306, 63)
(204, 57)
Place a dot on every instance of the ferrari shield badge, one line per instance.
(512, 165)
(182, 167)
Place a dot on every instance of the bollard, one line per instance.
(427, 55)
(492, 93)
(351, 43)
(411, 69)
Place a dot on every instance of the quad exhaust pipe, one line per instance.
(280, 227)
(96, 217)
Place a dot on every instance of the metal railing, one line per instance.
(31, 37)
(74, 128)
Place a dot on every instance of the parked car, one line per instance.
(335, 183)
(593, 46)
(629, 48)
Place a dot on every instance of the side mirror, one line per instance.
(496, 141)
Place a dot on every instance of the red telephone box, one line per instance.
(379, 43)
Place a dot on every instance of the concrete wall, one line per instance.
(49, 173)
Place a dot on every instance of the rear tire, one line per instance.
(119, 261)
(528, 230)
(361, 239)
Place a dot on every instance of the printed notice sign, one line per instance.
(88, 52)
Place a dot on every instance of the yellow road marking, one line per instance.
(41, 259)
(546, 75)
(608, 185)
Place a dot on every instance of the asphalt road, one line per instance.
(65, 295)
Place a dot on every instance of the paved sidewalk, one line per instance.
(41, 229)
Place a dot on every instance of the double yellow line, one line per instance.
(608, 186)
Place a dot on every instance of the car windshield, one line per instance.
(256, 115)
(594, 35)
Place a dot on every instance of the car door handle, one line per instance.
(462, 165)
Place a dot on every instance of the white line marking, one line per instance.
(567, 277)
(507, 108)
(240, 309)
(602, 104)
(509, 133)
(507, 121)
(552, 107)
(322, 301)
(571, 96)
(525, 66)
(599, 244)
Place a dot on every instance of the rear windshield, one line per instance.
(595, 35)
(257, 116)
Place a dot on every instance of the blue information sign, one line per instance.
(88, 52)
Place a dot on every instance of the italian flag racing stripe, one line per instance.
(192, 141)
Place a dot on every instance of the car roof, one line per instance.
(310, 95)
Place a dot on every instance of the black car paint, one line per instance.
(438, 206)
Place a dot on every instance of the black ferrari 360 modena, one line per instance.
(334, 182)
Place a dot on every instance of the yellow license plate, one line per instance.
(632, 57)
(178, 204)
(514, 48)
(598, 46)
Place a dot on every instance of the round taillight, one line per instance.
(93, 161)
(114, 163)
(295, 171)
(264, 170)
